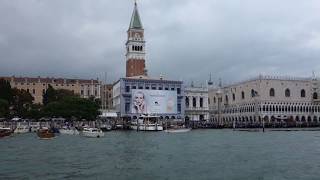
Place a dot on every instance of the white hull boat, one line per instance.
(92, 132)
(179, 130)
(106, 127)
(147, 127)
(21, 129)
(69, 131)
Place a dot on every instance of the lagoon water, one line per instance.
(199, 154)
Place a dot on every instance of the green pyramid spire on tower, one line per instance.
(135, 22)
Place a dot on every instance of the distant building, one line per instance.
(106, 96)
(38, 86)
(196, 104)
(269, 99)
(135, 46)
(140, 95)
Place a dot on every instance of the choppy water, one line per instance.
(199, 154)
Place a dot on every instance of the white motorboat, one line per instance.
(22, 129)
(92, 132)
(147, 123)
(106, 127)
(150, 127)
(35, 126)
(68, 130)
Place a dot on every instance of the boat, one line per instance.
(34, 126)
(146, 123)
(22, 129)
(177, 130)
(45, 133)
(106, 127)
(92, 132)
(68, 130)
(5, 132)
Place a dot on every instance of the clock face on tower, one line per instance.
(136, 36)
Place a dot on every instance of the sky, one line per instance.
(185, 39)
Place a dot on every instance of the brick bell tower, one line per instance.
(135, 46)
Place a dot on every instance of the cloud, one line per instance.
(186, 39)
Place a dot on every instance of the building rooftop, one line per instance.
(49, 80)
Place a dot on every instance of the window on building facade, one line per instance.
(271, 92)
(147, 87)
(214, 99)
(253, 93)
(287, 92)
(140, 87)
(33, 91)
(315, 95)
(43, 91)
(95, 92)
(226, 98)
(242, 95)
(172, 89)
(127, 88)
(153, 87)
(27, 90)
(127, 107)
(187, 102)
(303, 93)
(233, 97)
(81, 92)
(194, 102)
(166, 88)
(134, 87)
(179, 108)
(88, 93)
(201, 102)
(178, 90)
(160, 88)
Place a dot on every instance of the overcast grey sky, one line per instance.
(186, 39)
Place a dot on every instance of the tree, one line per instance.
(72, 106)
(52, 95)
(22, 101)
(34, 112)
(5, 91)
(4, 108)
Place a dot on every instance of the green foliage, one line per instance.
(52, 95)
(34, 112)
(5, 91)
(22, 101)
(72, 106)
(4, 108)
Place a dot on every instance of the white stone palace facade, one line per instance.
(272, 100)
(196, 104)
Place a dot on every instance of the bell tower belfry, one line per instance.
(135, 46)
